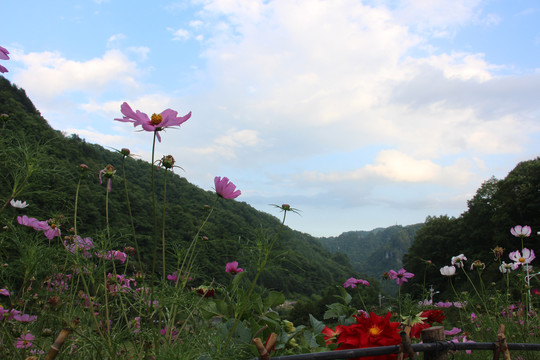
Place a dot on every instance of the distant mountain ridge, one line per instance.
(374, 252)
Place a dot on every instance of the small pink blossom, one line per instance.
(400, 276)
(459, 260)
(24, 341)
(352, 282)
(4, 292)
(232, 268)
(452, 332)
(225, 188)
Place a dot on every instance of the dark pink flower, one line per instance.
(24, 341)
(352, 282)
(233, 268)
(401, 276)
(158, 122)
(225, 188)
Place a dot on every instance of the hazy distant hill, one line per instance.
(376, 251)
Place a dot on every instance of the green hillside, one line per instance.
(299, 266)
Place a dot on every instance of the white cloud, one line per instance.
(180, 34)
(62, 75)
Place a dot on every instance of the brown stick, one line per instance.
(60, 339)
(263, 353)
(501, 345)
(406, 346)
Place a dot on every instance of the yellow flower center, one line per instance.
(156, 119)
(374, 331)
(521, 260)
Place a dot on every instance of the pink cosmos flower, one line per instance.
(454, 331)
(521, 231)
(108, 173)
(50, 231)
(463, 339)
(232, 268)
(33, 223)
(401, 276)
(158, 122)
(459, 260)
(518, 258)
(352, 282)
(225, 188)
(443, 304)
(506, 268)
(3, 56)
(24, 341)
(4, 292)
(25, 318)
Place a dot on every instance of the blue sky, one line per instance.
(361, 114)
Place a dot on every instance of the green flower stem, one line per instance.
(252, 287)
(131, 215)
(154, 237)
(76, 206)
(476, 290)
(163, 224)
(107, 208)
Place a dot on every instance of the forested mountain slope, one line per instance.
(299, 265)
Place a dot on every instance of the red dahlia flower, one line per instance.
(372, 331)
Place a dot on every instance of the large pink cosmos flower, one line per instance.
(155, 123)
(225, 188)
(521, 231)
(401, 276)
(3, 56)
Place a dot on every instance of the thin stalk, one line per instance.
(476, 290)
(107, 209)
(163, 224)
(76, 202)
(154, 236)
(131, 215)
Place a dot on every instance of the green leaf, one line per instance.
(273, 299)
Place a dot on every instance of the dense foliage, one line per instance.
(497, 206)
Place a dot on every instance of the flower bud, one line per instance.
(125, 151)
(167, 161)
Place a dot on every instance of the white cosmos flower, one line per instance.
(448, 270)
(18, 204)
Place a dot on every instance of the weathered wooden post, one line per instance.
(432, 335)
